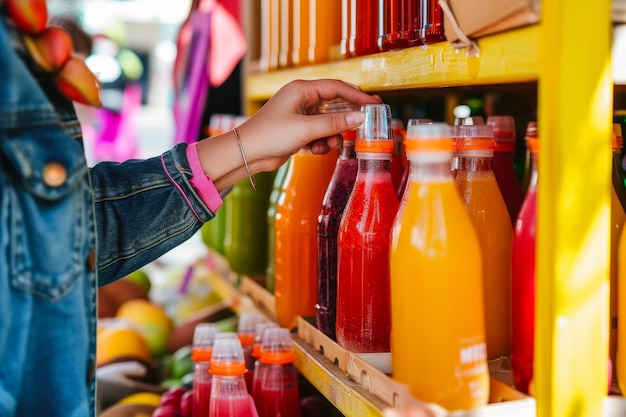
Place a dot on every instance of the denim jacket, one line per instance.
(66, 229)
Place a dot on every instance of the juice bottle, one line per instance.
(246, 327)
(411, 13)
(285, 38)
(431, 18)
(333, 205)
(365, 27)
(299, 204)
(265, 32)
(300, 31)
(229, 396)
(347, 21)
(479, 191)
(393, 26)
(276, 391)
(363, 310)
(523, 275)
(279, 178)
(245, 233)
(438, 341)
(202, 348)
(406, 175)
(274, 32)
(398, 160)
(618, 197)
(325, 30)
(503, 163)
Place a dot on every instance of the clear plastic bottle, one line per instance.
(406, 175)
(438, 344)
(229, 395)
(276, 391)
(202, 349)
(479, 191)
(363, 300)
(333, 205)
(245, 332)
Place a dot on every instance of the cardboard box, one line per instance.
(483, 17)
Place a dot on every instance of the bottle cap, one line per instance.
(227, 358)
(335, 106)
(503, 132)
(203, 339)
(277, 347)
(475, 138)
(375, 134)
(414, 122)
(618, 139)
(532, 136)
(245, 327)
(259, 332)
(433, 137)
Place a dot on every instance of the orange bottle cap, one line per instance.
(433, 137)
(227, 358)
(277, 347)
(201, 354)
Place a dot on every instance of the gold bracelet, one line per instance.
(243, 156)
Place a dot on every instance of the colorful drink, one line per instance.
(365, 27)
(431, 18)
(325, 30)
(281, 173)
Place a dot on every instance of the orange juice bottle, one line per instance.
(324, 30)
(274, 33)
(295, 234)
(437, 318)
(285, 38)
(479, 191)
(300, 32)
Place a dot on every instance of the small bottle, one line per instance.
(479, 191)
(333, 205)
(229, 395)
(245, 332)
(431, 18)
(363, 302)
(438, 322)
(259, 332)
(300, 32)
(523, 275)
(281, 173)
(395, 22)
(202, 348)
(324, 31)
(504, 163)
(276, 391)
(365, 27)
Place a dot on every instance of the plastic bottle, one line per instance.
(406, 175)
(295, 225)
(438, 344)
(202, 349)
(285, 38)
(399, 160)
(259, 331)
(333, 205)
(523, 276)
(431, 18)
(276, 391)
(504, 163)
(301, 31)
(365, 27)
(279, 178)
(246, 326)
(324, 31)
(229, 395)
(395, 25)
(479, 191)
(363, 310)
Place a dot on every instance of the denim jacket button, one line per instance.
(54, 174)
(91, 260)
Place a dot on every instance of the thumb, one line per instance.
(330, 124)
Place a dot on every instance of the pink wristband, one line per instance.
(201, 182)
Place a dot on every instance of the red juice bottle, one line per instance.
(202, 348)
(503, 163)
(431, 22)
(333, 205)
(246, 327)
(363, 288)
(276, 391)
(399, 161)
(365, 27)
(523, 275)
(229, 395)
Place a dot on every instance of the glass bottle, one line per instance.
(438, 344)
(365, 27)
(301, 31)
(333, 205)
(479, 191)
(431, 18)
(325, 30)
(276, 391)
(298, 207)
(523, 275)
(406, 175)
(279, 178)
(229, 395)
(395, 22)
(363, 302)
(504, 163)
(202, 348)
(285, 38)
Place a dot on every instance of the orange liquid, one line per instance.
(285, 38)
(324, 31)
(274, 34)
(438, 329)
(300, 50)
(299, 204)
(485, 205)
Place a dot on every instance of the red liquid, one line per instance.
(231, 407)
(365, 27)
(363, 296)
(431, 17)
(523, 291)
(401, 24)
(201, 397)
(276, 391)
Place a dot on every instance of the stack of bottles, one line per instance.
(305, 32)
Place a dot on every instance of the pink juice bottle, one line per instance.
(202, 348)
(523, 276)
(363, 289)
(276, 391)
(229, 395)
(245, 332)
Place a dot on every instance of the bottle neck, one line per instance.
(433, 167)
(347, 150)
(474, 163)
(534, 171)
(373, 166)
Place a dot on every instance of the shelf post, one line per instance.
(575, 108)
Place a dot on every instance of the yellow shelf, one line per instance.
(509, 57)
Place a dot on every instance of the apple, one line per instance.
(166, 411)
(186, 404)
(172, 397)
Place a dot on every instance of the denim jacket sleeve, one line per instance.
(144, 208)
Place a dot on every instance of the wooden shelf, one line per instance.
(509, 57)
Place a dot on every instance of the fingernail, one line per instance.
(354, 118)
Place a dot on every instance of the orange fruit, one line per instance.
(151, 320)
(117, 342)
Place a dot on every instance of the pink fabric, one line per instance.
(202, 182)
(228, 45)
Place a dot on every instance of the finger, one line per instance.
(331, 124)
(327, 89)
